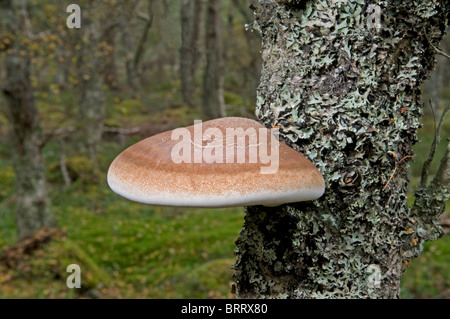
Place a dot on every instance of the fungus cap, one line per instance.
(213, 164)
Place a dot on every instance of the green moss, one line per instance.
(7, 177)
(48, 266)
(80, 168)
(213, 279)
(127, 107)
(113, 123)
(233, 99)
(429, 275)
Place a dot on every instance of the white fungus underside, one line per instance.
(226, 199)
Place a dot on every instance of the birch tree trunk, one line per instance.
(195, 35)
(91, 112)
(213, 100)
(189, 51)
(110, 76)
(91, 60)
(252, 71)
(341, 79)
(186, 54)
(25, 136)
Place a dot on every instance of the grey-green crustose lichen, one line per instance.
(345, 91)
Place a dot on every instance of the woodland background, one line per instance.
(134, 69)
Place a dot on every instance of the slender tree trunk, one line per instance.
(133, 58)
(341, 79)
(110, 77)
(140, 49)
(213, 101)
(33, 204)
(251, 71)
(131, 74)
(195, 35)
(91, 112)
(189, 51)
(186, 52)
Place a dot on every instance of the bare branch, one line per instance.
(438, 51)
(141, 45)
(143, 16)
(124, 131)
(427, 163)
(8, 201)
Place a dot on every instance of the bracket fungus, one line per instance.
(224, 162)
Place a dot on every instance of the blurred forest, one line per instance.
(74, 98)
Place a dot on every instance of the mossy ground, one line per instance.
(124, 249)
(129, 250)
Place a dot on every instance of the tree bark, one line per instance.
(91, 64)
(91, 115)
(128, 8)
(186, 54)
(213, 100)
(345, 91)
(189, 51)
(110, 77)
(33, 207)
(140, 49)
(195, 35)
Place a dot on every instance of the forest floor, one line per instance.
(130, 250)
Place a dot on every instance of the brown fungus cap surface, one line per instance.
(219, 163)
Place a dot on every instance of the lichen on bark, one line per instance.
(343, 86)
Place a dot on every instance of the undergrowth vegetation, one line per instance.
(130, 250)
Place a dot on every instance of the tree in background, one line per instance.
(213, 99)
(133, 57)
(33, 207)
(32, 45)
(189, 51)
(91, 56)
(251, 69)
(341, 79)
